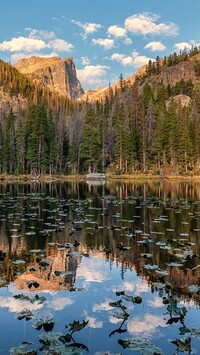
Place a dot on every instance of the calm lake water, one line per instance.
(100, 268)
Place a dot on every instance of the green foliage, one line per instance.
(138, 127)
(90, 145)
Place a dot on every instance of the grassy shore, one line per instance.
(113, 177)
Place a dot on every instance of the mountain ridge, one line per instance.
(57, 74)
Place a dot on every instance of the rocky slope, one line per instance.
(57, 74)
(168, 75)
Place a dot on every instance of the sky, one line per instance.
(106, 38)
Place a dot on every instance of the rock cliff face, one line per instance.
(57, 74)
(186, 70)
(7, 102)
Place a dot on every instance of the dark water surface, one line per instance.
(100, 268)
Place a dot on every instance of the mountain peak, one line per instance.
(55, 73)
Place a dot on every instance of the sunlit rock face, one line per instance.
(57, 74)
(17, 103)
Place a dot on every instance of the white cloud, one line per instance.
(60, 303)
(85, 60)
(122, 59)
(104, 306)
(107, 43)
(91, 272)
(60, 45)
(116, 31)
(88, 27)
(16, 305)
(156, 303)
(127, 41)
(145, 24)
(93, 75)
(183, 46)
(41, 34)
(23, 44)
(140, 60)
(93, 322)
(145, 324)
(155, 46)
(135, 60)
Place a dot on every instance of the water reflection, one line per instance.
(80, 245)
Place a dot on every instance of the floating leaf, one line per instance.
(183, 345)
(137, 299)
(173, 320)
(46, 324)
(150, 267)
(77, 346)
(194, 288)
(27, 314)
(18, 262)
(120, 315)
(195, 332)
(76, 326)
(31, 284)
(22, 350)
(116, 304)
(141, 344)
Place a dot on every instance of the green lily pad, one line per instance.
(22, 350)
(76, 326)
(141, 344)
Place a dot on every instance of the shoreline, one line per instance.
(109, 177)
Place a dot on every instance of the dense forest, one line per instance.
(138, 127)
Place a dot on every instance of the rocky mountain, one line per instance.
(168, 73)
(57, 74)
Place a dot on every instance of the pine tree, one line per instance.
(90, 145)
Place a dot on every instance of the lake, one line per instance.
(100, 268)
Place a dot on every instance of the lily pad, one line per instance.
(141, 344)
(76, 326)
(194, 288)
(22, 350)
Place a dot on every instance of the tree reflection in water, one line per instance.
(66, 246)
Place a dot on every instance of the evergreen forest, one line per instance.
(142, 127)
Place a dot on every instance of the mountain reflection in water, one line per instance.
(107, 268)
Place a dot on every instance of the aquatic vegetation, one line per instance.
(64, 255)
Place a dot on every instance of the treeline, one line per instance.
(132, 131)
(155, 67)
(136, 128)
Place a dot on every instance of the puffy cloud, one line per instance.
(93, 322)
(23, 44)
(60, 45)
(140, 60)
(88, 27)
(116, 31)
(16, 305)
(122, 59)
(41, 34)
(107, 43)
(145, 24)
(145, 324)
(60, 303)
(127, 41)
(104, 306)
(85, 60)
(155, 46)
(135, 60)
(156, 303)
(183, 46)
(91, 272)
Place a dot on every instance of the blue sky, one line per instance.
(105, 37)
